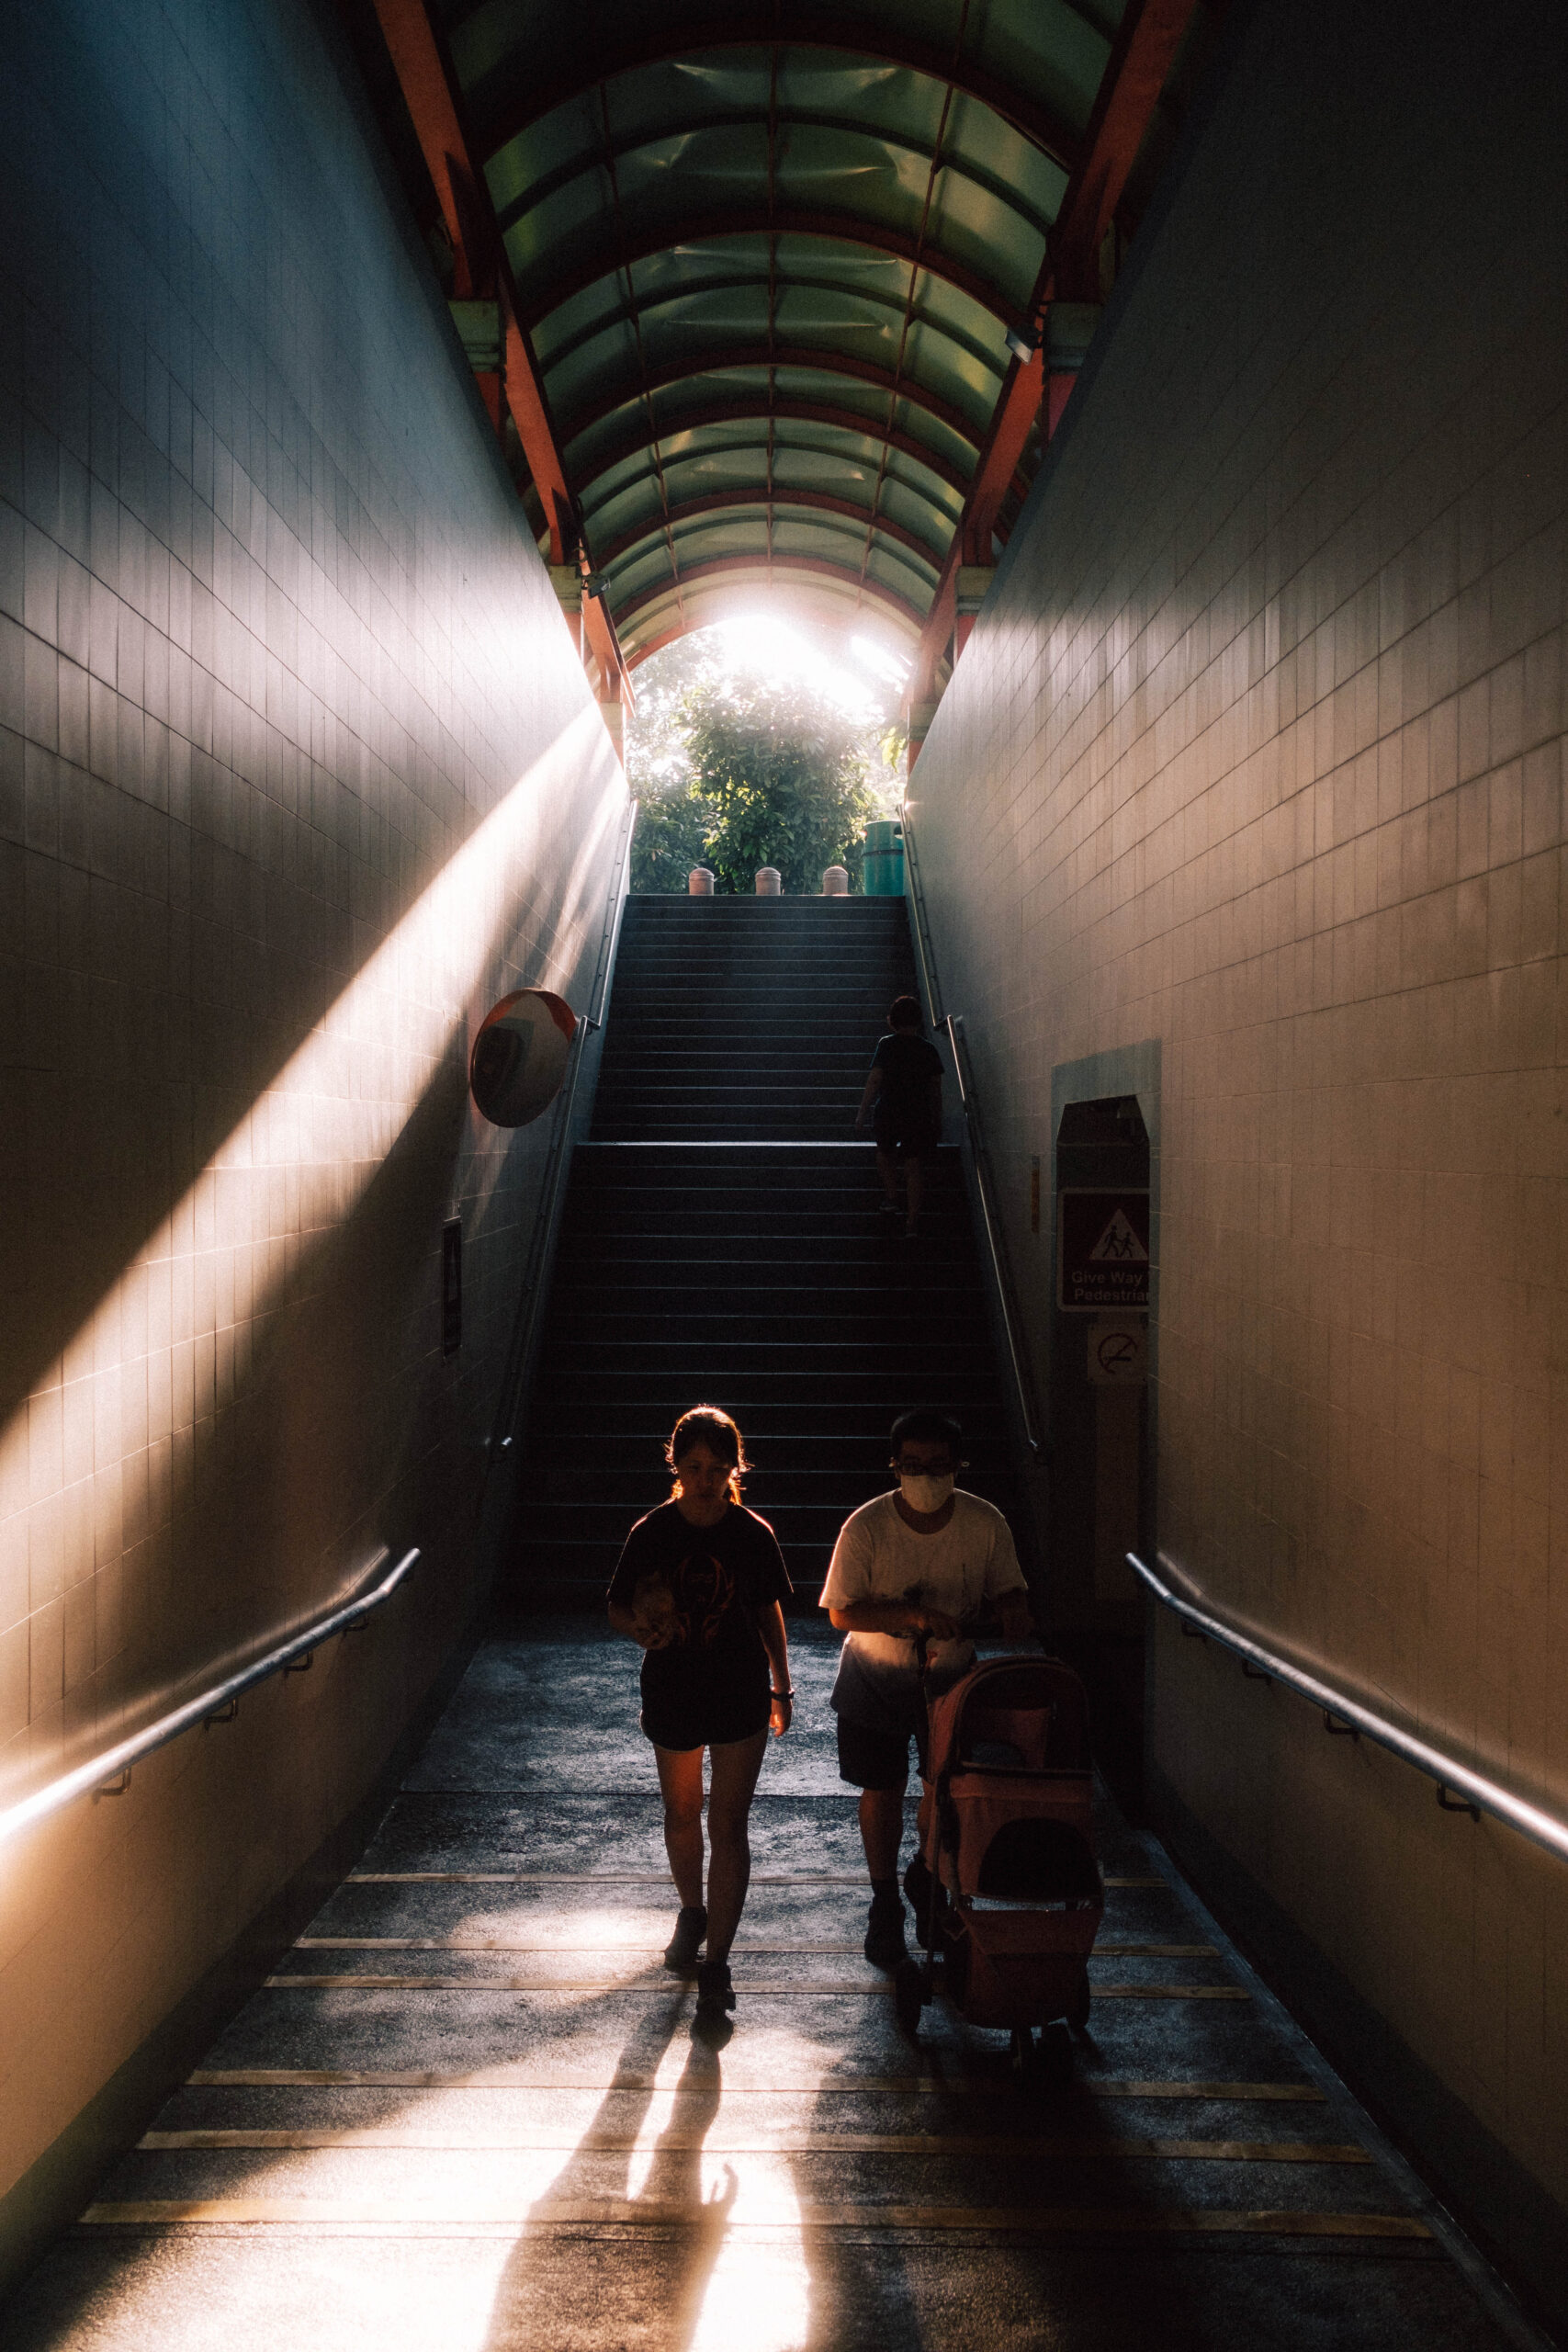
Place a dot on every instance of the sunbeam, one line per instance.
(169, 1344)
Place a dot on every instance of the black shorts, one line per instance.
(873, 1759)
(709, 1711)
(913, 1134)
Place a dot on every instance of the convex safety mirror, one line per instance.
(519, 1056)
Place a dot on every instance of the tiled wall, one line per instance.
(1256, 757)
(298, 773)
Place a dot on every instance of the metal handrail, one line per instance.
(217, 1702)
(1024, 1387)
(917, 904)
(1475, 1793)
(520, 1353)
(1022, 1384)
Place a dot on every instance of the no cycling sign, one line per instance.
(1103, 1251)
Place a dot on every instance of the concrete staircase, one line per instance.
(722, 1242)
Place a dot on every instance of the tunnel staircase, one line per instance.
(722, 1242)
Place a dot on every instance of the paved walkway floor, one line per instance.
(467, 2112)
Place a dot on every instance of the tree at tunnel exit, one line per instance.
(773, 775)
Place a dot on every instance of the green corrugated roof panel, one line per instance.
(767, 259)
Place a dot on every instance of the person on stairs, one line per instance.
(700, 1585)
(902, 1102)
(921, 1561)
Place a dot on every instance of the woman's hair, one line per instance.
(711, 1425)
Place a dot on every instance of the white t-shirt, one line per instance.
(878, 1556)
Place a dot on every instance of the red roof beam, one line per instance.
(605, 645)
(1141, 57)
(1151, 33)
(478, 259)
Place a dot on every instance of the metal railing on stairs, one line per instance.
(984, 1185)
(1460, 1788)
(109, 1772)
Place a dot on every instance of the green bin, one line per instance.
(885, 859)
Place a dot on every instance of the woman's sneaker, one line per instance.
(681, 1952)
(715, 1994)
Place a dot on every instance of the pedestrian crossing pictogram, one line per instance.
(1118, 1243)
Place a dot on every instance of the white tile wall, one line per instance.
(1257, 751)
(298, 773)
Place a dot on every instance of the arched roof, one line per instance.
(758, 266)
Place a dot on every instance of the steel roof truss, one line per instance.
(552, 182)
(664, 35)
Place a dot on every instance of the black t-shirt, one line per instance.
(719, 1580)
(908, 1064)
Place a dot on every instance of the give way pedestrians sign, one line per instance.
(1103, 1251)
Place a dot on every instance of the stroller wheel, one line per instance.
(1054, 2058)
(1077, 2014)
(1022, 2056)
(909, 1995)
(917, 1893)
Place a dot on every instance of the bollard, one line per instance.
(770, 882)
(699, 883)
(884, 874)
(836, 883)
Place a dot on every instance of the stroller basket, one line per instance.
(1017, 1897)
(1010, 1756)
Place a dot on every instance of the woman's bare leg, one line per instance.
(681, 1786)
(888, 1168)
(735, 1764)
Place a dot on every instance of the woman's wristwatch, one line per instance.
(781, 1694)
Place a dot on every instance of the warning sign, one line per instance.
(1103, 1251)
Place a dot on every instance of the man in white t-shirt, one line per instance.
(926, 1559)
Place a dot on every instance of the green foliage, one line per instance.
(785, 771)
(672, 829)
(775, 775)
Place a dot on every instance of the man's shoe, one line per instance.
(885, 1945)
(715, 1994)
(681, 1952)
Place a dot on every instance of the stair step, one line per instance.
(861, 1400)
(579, 1411)
(627, 1471)
(793, 1523)
(722, 1239)
(607, 1522)
(721, 1335)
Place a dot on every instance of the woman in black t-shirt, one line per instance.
(701, 1585)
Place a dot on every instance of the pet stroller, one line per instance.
(1006, 1891)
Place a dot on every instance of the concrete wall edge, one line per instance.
(1518, 2226)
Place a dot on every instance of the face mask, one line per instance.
(924, 1492)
